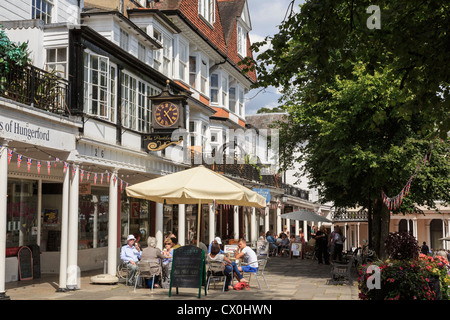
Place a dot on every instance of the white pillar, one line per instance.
(159, 225)
(415, 228)
(236, 222)
(357, 232)
(182, 224)
(305, 230)
(266, 220)
(279, 227)
(212, 220)
(39, 213)
(112, 223)
(253, 234)
(3, 216)
(297, 227)
(64, 232)
(72, 247)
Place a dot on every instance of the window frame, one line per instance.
(109, 90)
(55, 63)
(48, 14)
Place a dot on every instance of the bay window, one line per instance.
(99, 82)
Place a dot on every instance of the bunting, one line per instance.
(19, 160)
(394, 203)
(29, 164)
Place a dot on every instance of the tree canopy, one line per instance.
(365, 105)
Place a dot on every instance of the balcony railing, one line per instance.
(344, 215)
(35, 87)
(232, 167)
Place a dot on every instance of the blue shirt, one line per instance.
(210, 245)
(128, 253)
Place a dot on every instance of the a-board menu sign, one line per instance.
(296, 248)
(188, 269)
(25, 258)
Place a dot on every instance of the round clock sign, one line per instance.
(167, 114)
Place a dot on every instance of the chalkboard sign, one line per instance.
(188, 269)
(36, 254)
(25, 258)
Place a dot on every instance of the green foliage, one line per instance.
(410, 279)
(11, 52)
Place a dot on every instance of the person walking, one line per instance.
(424, 249)
(322, 246)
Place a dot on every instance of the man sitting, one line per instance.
(248, 255)
(130, 255)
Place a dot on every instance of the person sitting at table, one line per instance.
(229, 266)
(201, 245)
(174, 240)
(271, 240)
(130, 255)
(284, 243)
(153, 255)
(216, 240)
(249, 256)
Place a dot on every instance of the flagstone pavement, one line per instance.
(288, 279)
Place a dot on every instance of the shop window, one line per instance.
(21, 213)
(93, 218)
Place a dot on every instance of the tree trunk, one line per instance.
(380, 227)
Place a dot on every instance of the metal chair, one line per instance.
(259, 272)
(122, 273)
(147, 270)
(216, 273)
(342, 271)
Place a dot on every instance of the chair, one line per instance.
(342, 271)
(259, 272)
(122, 272)
(147, 270)
(216, 273)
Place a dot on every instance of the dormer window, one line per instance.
(206, 10)
(241, 41)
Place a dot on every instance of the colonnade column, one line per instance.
(305, 230)
(112, 224)
(64, 232)
(182, 224)
(159, 225)
(253, 234)
(266, 219)
(72, 244)
(212, 219)
(279, 227)
(236, 222)
(3, 206)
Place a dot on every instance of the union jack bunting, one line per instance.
(66, 166)
(29, 164)
(19, 160)
(39, 166)
(88, 175)
(95, 178)
(10, 152)
(49, 164)
(101, 178)
(82, 175)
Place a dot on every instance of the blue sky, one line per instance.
(266, 16)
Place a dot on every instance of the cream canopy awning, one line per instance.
(193, 185)
(196, 185)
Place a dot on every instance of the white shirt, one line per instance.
(250, 257)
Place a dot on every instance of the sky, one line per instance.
(265, 16)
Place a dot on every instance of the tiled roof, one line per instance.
(222, 34)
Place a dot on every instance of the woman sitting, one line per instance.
(153, 255)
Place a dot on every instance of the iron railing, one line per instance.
(344, 215)
(238, 168)
(35, 87)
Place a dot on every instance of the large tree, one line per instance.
(365, 105)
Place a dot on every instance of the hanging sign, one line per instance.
(159, 141)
